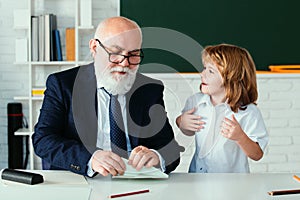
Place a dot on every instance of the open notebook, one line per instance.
(144, 173)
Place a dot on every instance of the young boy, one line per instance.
(224, 118)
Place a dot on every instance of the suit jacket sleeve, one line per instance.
(55, 138)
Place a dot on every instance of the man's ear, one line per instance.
(93, 45)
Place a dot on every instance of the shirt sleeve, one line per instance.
(90, 172)
(255, 128)
(162, 161)
(189, 104)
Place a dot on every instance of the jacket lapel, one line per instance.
(83, 103)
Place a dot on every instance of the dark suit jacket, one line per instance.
(66, 133)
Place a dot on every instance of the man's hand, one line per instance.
(142, 156)
(107, 162)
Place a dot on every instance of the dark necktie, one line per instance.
(117, 134)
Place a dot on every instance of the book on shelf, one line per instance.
(45, 40)
(38, 91)
(70, 44)
(41, 37)
(50, 25)
(34, 38)
(53, 26)
(57, 46)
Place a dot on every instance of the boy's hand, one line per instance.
(191, 122)
(231, 129)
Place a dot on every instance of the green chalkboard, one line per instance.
(269, 29)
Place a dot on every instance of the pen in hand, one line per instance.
(128, 193)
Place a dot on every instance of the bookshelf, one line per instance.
(68, 14)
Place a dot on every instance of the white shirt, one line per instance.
(219, 154)
(103, 139)
(103, 135)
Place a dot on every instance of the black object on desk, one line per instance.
(15, 142)
(22, 176)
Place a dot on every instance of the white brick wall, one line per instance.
(279, 95)
(12, 77)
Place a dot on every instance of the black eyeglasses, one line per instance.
(135, 57)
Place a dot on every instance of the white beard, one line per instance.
(115, 83)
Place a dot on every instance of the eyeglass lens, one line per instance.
(118, 58)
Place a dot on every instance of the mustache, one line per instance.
(119, 69)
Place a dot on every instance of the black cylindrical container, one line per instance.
(15, 143)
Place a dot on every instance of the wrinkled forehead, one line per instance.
(128, 40)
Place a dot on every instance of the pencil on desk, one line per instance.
(128, 193)
(283, 192)
(296, 178)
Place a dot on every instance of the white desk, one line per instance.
(58, 185)
(199, 186)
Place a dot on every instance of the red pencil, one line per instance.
(128, 193)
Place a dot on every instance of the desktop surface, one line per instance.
(66, 185)
(199, 186)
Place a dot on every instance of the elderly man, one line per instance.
(93, 115)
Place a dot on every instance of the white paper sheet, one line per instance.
(144, 173)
